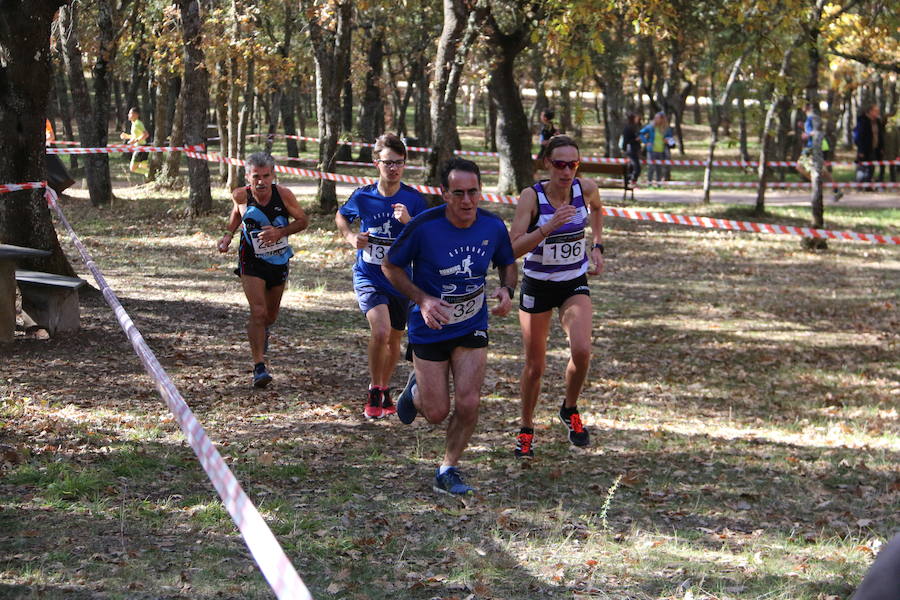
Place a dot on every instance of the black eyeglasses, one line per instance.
(562, 164)
(392, 163)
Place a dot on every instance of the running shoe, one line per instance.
(387, 405)
(261, 377)
(406, 409)
(373, 404)
(451, 483)
(525, 445)
(578, 435)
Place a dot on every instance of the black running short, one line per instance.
(273, 275)
(441, 351)
(539, 296)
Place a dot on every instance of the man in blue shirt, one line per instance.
(451, 248)
(383, 209)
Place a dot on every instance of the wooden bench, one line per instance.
(617, 169)
(50, 300)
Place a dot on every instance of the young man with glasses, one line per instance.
(451, 249)
(549, 229)
(382, 208)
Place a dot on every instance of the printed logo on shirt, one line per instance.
(466, 261)
(385, 228)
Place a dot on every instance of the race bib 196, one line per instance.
(261, 248)
(564, 249)
(464, 306)
(377, 249)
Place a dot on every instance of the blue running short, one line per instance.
(368, 297)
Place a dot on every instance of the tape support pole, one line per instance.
(266, 550)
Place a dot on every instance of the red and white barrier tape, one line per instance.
(266, 550)
(779, 184)
(121, 149)
(15, 187)
(711, 223)
(611, 212)
(349, 163)
(595, 159)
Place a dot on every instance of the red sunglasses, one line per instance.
(562, 164)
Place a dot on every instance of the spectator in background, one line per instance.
(630, 144)
(547, 128)
(869, 139)
(137, 136)
(659, 139)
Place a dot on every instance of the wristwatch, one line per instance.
(600, 246)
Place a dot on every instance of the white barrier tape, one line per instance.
(594, 159)
(15, 187)
(612, 212)
(121, 149)
(266, 550)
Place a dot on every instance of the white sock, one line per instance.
(443, 469)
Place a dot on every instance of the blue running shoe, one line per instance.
(261, 377)
(406, 409)
(451, 483)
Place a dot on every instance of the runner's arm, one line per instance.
(435, 312)
(509, 277)
(300, 222)
(592, 196)
(234, 219)
(356, 240)
(524, 241)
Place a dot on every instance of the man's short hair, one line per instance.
(458, 164)
(135, 110)
(260, 159)
(390, 141)
(548, 114)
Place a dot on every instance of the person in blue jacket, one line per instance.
(659, 139)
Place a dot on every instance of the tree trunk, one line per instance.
(422, 116)
(457, 36)
(65, 106)
(92, 120)
(742, 126)
(541, 102)
(779, 99)
(196, 105)
(25, 73)
(331, 50)
(161, 129)
(344, 150)
(173, 159)
(371, 117)
(513, 133)
(717, 107)
(565, 108)
(812, 96)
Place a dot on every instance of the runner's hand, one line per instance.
(505, 302)
(401, 213)
(596, 262)
(563, 215)
(362, 240)
(435, 312)
(270, 235)
(225, 243)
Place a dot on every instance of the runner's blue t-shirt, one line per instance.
(376, 215)
(452, 263)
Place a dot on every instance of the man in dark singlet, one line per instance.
(262, 209)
